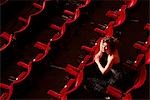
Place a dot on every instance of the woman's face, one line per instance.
(106, 48)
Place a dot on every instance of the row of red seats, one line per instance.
(45, 48)
(119, 18)
(144, 46)
(78, 72)
(22, 26)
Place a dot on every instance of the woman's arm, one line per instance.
(108, 65)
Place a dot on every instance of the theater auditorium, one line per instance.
(48, 49)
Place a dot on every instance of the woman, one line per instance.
(108, 45)
(105, 70)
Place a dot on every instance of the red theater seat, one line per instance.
(36, 5)
(78, 81)
(8, 38)
(26, 22)
(147, 27)
(40, 7)
(144, 48)
(74, 16)
(61, 95)
(118, 16)
(45, 49)
(118, 94)
(61, 30)
(23, 75)
(138, 61)
(108, 31)
(130, 3)
(8, 90)
(86, 3)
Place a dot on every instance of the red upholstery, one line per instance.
(44, 47)
(61, 94)
(74, 17)
(84, 62)
(118, 16)
(130, 3)
(147, 58)
(55, 27)
(7, 94)
(140, 47)
(88, 49)
(138, 60)
(58, 35)
(22, 76)
(68, 12)
(71, 70)
(23, 19)
(92, 51)
(78, 82)
(127, 95)
(121, 16)
(41, 46)
(111, 14)
(114, 92)
(54, 94)
(8, 38)
(108, 31)
(144, 49)
(37, 5)
(67, 86)
(41, 7)
(140, 79)
(28, 19)
(22, 64)
(87, 2)
(147, 27)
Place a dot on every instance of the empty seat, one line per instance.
(118, 16)
(6, 36)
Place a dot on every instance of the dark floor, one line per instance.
(44, 74)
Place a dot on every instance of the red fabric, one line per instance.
(140, 79)
(138, 61)
(147, 27)
(99, 31)
(114, 92)
(54, 94)
(121, 16)
(23, 19)
(140, 47)
(55, 27)
(87, 2)
(41, 46)
(88, 49)
(67, 86)
(111, 14)
(71, 71)
(5, 35)
(84, 62)
(4, 86)
(8, 38)
(22, 64)
(37, 5)
(68, 12)
(78, 82)
(130, 3)
(127, 96)
(147, 59)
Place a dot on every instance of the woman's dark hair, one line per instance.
(113, 42)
